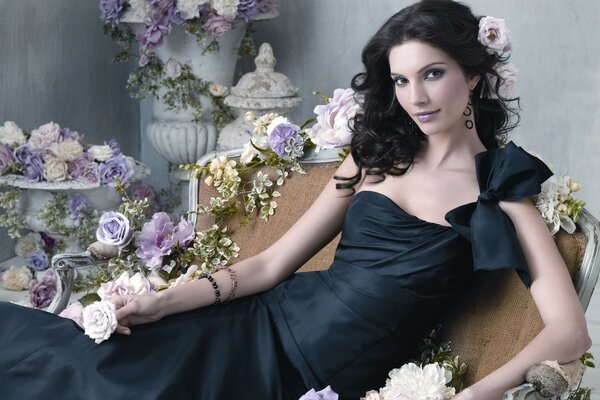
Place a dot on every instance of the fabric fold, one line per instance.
(503, 174)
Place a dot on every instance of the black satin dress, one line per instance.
(393, 277)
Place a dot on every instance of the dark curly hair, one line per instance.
(385, 139)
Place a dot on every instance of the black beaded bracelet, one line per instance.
(215, 287)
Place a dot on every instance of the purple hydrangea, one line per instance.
(247, 9)
(115, 168)
(22, 154)
(114, 229)
(34, 168)
(286, 137)
(151, 38)
(42, 292)
(6, 158)
(155, 240)
(111, 11)
(78, 204)
(37, 261)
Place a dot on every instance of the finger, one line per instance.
(123, 330)
(126, 310)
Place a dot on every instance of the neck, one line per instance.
(450, 150)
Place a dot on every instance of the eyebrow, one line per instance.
(423, 68)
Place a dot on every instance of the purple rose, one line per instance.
(34, 168)
(43, 291)
(67, 134)
(111, 11)
(48, 240)
(151, 38)
(114, 229)
(140, 191)
(247, 9)
(184, 233)
(155, 240)
(6, 158)
(75, 167)
(37, 261)
(285, 135)
(22, 154)
(89, 173)
(216, 25)
(265, 5)
(116, 167)
(78, 204)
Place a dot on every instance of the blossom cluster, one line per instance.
(209, 17)
(495, 36)
(557, 205)
(54, 154)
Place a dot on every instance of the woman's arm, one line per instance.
(564, 337)
(317, 227)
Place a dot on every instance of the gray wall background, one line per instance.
(55, 65)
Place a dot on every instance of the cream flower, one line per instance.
(411, 382)
(217, 90)
(189, 276)
(28, 244)
(142, 9)
(248, 153)
(190, 8)
(261, 123)
(494, 34)
(16, 278)
(225, 8)
(101, 152)
(67, 150)
(11, 134)
(99, 320)
(55, 170)
(573, 185)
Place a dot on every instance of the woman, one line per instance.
(418, 200)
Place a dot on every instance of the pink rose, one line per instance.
(508, 72)
(42, 292)
(100, 320)
(125, 285)
(494, 34)
(74, 312)
(44, 136)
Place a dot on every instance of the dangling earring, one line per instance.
(468, 112)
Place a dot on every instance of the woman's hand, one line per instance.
(465, 394)
(136, 310)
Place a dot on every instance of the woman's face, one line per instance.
(430, 86)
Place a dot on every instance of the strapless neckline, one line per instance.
(397, 206)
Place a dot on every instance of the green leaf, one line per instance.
(89, 298)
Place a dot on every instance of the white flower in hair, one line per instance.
(494, 34)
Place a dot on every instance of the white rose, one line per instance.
(44, 136)
(413, 382)
(99, 320)
(189, 8)
(16, 278)
(248, 153)
(101, 152)
(225, 8)
(124, 286)
(28, 244)
(172, 69)
(67, 150)
(11, 134)
(217, 90)
(55, 170)
(142, 9)
(74, 312)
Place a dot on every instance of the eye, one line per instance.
(400, 81)
(434, 74)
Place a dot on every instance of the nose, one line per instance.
(418, 94)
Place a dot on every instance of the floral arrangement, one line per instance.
(54, 154)
(206, 20)
(557, 205)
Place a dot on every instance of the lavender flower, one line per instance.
(6, 158)
(184, 233)
(48, 240)
(247, 9)
(111, 11)
(44, 136)
(78, 204)
(115, 167)
(140, 191)
(151, 38)
(89, 173)
(285, 140)
(216, 25)
(37, 261)
(67, 134)
(43, 291)
(114, 229)
(155, 240)
(22, 154)
(114, 145)
(34, 168)
(143, 60)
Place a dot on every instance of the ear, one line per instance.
(473, 80)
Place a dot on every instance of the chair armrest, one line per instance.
(64, 265)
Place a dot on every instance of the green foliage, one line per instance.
(12, 219)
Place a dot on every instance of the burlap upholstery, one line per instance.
(492, 323)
